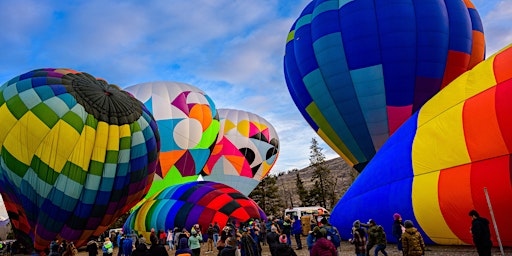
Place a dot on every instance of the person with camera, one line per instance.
(194, 241)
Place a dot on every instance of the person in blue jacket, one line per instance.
(297, 231)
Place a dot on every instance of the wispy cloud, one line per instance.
(497, 26)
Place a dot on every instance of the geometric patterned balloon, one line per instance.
(439, 163)
(198, 202)
(358, 69)
(188, 123)
(76, 153)
(247, 147)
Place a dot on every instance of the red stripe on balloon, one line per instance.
(456, 64)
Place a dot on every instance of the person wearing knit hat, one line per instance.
(397, 230)
(358, 239)
(283, 248)
(357, 224)
(412, 241)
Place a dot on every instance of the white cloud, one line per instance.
(497, 27)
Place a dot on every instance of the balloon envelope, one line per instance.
(188, 123)
(435, 168)
(247, 147)
(183, 205)
(358, 69)
(76, 154)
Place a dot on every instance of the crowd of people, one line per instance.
(247, 239)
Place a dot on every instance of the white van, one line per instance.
(309, 210)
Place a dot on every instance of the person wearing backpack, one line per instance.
(377, 236)
(332, 233)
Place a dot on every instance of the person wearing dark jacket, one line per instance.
(230, 249)
(397, 230)
(283, 249)
(156, 249)
(92, 248)
(273, 240)
(323, 247)
(412, 241)
(481, 234)
(140, 250)
(183, 248)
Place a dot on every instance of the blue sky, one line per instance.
(231, 49)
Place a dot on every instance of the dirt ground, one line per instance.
(348, 249)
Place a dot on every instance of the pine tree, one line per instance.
(267, 197)
(321, 175)
(301, 191)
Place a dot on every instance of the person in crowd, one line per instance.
(248, 246)
(209, 243)
(194, 242)
(170, 239)
(153, 235)
(120, 240)
(142, 239)
(283, 248)
(332, 233)
(140, 250)
(311, 238)
(412, 241)
(397, 230)
(108, 247)
(216, 232)
(287, 229)
(230, 248)
(156, 249)
(377, 236)
(323, 247)
(162, 237)
(54, 248)
(254, 232)
(224, 235)
(481, 233)
(183, 249)
(92, 248)
(358, 238)
(297, 231)
(370, 242)
(70, 250)
(273, 240)
(127, 246)
(263, 232)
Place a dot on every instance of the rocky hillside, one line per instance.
(341, 172)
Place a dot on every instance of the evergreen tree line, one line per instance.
(274, 196)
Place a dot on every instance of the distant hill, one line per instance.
(343, 174)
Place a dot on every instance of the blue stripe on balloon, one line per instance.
(397, 38)
(476, 22)
(369, 86)
(432, 22)
(332, 90)
(360, 36)
(461, 33)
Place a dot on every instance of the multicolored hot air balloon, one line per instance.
(435, 168)
(183, 205)
(247, 147)
(76, 154)
(188, 123)
(358, 69)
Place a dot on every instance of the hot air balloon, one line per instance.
(436, 167)
(246, 149)
(198, 202)
(188, 123)
(76, 154)
(358, 69)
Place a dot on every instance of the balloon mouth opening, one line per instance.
(106, 102)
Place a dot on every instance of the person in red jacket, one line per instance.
(323, 247)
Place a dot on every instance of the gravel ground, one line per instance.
(348, 249)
